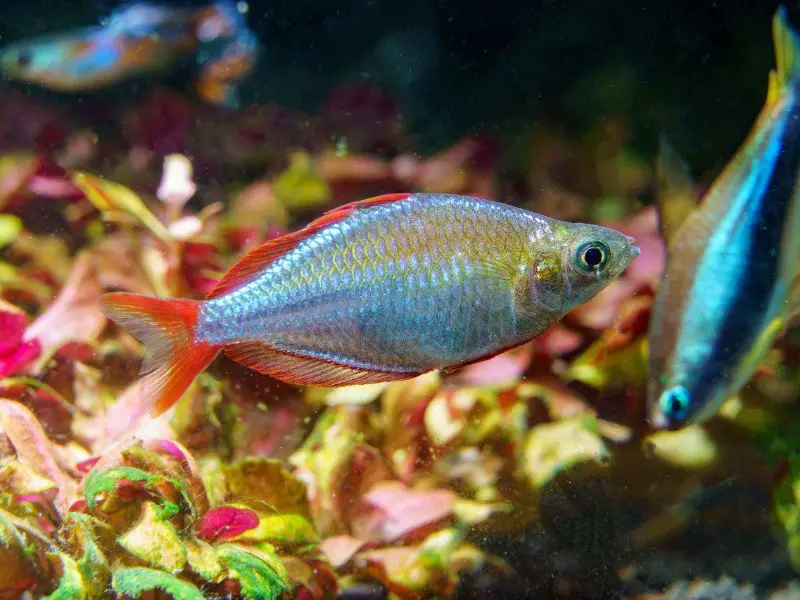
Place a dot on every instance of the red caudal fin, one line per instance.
(166, 328)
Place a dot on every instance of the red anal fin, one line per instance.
(252, 263)
(301, 370)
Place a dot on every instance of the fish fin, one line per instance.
(787, 51)
(757, 353)
(302, 370)
(792, 314)
(773, 88)
(166, 328)
(675, 195)
(251, 264)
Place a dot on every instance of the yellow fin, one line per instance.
(787, 51)
(793, 303)
(756, 355)
(675, 193)
(773, 89)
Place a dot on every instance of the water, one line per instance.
(535, 474)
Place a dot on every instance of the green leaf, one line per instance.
(110, 197)
(258, 482)
(258, 570)
(79, 531)
(135, 581)
(691, 447)
(282, 529)
(300, 186)
(202, 558)
(555, 447)
(15, 171)
(105, 482)
(786, 509)
(154, 540)
(10, 228)
(70, 586)
(18, 567)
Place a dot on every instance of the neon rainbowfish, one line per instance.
(378, 290)
(138, 39)
(730, 285)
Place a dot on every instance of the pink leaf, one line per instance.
(76, 314)
(339, 549)
(34, 449)
(226, 522)
(20, 358)
(12, 327)
(503, 368)
(406, 510)
(127, 419)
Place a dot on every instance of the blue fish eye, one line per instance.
(674, 403)
(24, 59)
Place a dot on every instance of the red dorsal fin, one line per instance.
(252, 263)
(303, 370)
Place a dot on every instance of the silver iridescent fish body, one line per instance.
(730, 282)
(379, 290)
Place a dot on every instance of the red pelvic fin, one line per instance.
(251, 264)
(302, 370)
(166, 328)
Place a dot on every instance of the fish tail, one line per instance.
(787, 54)
(166, 327)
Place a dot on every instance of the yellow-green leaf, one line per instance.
(135, 581)
(259, 571)
(690, 447)
(300, 186)
(555, 447)
(202, 558)
(282, 529)
(10, 228)
(71, 585)
(154, 540)
(110, 197)
(261, 482)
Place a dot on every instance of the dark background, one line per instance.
(696, 70)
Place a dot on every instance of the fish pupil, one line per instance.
(24, 59)
(593, 257)
(675, 402)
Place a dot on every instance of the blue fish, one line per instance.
(138, 39)
(730, 285)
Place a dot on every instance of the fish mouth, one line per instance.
(660, 422)
(633, 251)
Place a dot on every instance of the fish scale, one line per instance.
(383, 289)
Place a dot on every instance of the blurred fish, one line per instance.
(730, 284)
(137, 39)
(378, 290)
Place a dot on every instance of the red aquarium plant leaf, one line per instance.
(405, 510)
(16, 355)
(35, 450)
(76, 315)
(226, 522)
(161, 123)
(199, 267)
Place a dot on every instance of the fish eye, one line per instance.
(674, 403)
(591, 257)
(24, 59)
